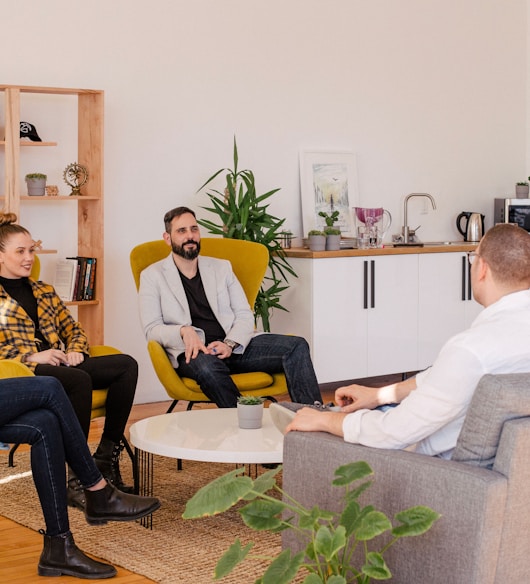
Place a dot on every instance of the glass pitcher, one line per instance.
(371, 226)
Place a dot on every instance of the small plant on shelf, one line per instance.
(330, 218)
(337, 549)
(36, 176)
(36, 182)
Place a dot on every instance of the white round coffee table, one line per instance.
(209, 435)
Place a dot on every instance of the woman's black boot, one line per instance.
(61, 556)
(107, 458)
(110, 504)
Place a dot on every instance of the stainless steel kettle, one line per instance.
(474, 226)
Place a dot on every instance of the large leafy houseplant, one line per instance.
(336, 540)
(243, 214)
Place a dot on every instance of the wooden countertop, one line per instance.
(302, 252)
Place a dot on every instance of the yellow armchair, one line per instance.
(249, 261)
(11, 368)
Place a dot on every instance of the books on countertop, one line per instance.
(75, 278)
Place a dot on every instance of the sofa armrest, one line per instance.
(464, 541)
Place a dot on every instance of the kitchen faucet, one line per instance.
(405, 229)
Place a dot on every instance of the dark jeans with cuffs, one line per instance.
(36, 411)
(270, 353)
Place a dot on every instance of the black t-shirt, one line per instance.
(202, 315)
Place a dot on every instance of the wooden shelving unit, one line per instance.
(90, 215)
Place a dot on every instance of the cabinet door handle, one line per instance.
(469, 293)
(372, 283)
(365, 284)
(464, 270)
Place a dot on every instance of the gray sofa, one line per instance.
(483, 494)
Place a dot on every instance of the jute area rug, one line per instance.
(175, 551)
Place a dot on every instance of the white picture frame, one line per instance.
(327, 176)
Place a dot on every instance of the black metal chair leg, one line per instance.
(12, 454)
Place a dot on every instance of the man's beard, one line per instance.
(187, 254)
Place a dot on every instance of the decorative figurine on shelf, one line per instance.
(37, 245)
(52, 190)
(29, 132)
(75, 175)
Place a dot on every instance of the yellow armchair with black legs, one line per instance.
(249, 261)
(12, 368)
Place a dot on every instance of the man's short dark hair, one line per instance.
(176, 212)
(506, 249)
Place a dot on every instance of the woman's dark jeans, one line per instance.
(118, 373)
(36, 411)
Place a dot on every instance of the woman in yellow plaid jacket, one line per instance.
(37, 329)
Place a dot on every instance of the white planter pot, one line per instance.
(332, 242)
(250, 417)
(317, 242)
(521, 191)
(36, 186)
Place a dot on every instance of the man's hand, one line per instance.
(360, 397)
(357, 397)
(192, 342)
(219, 349)
(311, 420)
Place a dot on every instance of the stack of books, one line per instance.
(75, 278)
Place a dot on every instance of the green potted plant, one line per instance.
(250, 411)
(316, 240)
(522, 189)
(36, 182)
(332, 233)
(243, 214)
(332, 238)
(337, 548)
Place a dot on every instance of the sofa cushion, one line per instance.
(498, 398)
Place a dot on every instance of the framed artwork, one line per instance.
(328, 181)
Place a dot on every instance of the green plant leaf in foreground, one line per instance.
(231, 558)
(284, 568)
(334, 541)
(219, 495)
(261, 515)
(416, 520)
(375, 567)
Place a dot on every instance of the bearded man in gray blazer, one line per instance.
(195, 307)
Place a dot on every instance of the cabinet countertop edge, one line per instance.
(301, 252)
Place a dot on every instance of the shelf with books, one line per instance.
(82, 141)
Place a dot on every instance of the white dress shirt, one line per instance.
(431, 416)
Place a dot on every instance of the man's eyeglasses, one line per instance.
(471, 255)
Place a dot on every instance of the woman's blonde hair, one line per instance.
(9, 227)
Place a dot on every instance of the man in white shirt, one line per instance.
(432, 405)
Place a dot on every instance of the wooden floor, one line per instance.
(21, 547)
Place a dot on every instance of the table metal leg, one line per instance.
(143, 480)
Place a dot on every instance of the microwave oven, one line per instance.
(513, 211)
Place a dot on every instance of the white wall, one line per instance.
(430, 94)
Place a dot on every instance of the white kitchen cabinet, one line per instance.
(359, 314)
(446, 305)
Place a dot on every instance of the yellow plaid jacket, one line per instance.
(56, 323)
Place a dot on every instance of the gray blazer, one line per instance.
(164, 308)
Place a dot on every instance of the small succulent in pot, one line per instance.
(250, 400)
(36, 182)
